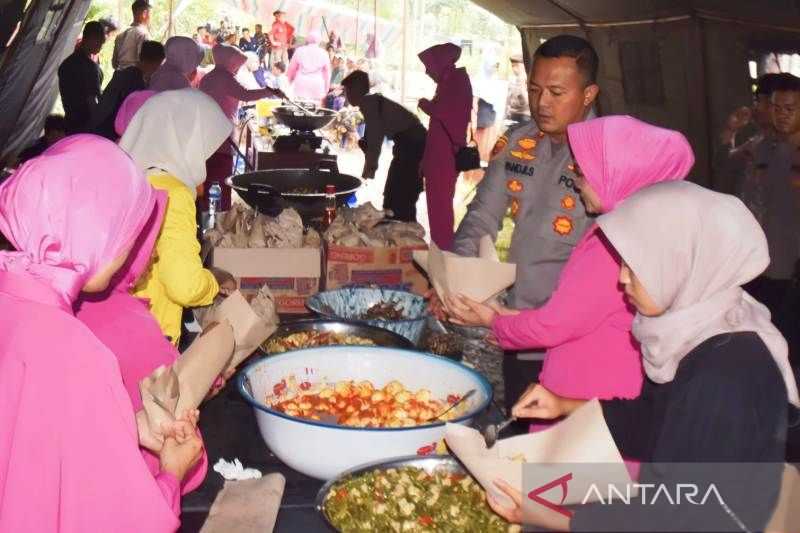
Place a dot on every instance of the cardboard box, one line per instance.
(291, 274)
(389, 267)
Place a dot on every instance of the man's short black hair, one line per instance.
(575, 47)
(140, 5)
(55, 123)
(280, 65)
(785, 82)
(93, 30)
(765, 85)
(357, 81)
(152, 52)
(199, 28)
(246, 30)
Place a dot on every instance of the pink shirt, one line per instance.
(586, 326)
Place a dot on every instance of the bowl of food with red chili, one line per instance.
(324, 410)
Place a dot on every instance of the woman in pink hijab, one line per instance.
(69, 449)
(586, 323)
(125, 325)
(449, 113)
(183, 56)
(310, 71)
(221, 85)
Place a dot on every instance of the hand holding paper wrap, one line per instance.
(479, 278)
(232, 331)
(583, 437)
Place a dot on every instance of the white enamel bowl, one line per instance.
(323, 450)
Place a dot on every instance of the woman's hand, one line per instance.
(503, 310)
(435, 305)
(182, 448)
(226, 281)
(538, 402)
(424, 104)
(534, 515)
(468, 312)
(513, 514)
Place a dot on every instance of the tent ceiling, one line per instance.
(553, 12)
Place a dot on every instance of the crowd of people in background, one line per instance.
(594, 310)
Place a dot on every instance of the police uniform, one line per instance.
(531, 178)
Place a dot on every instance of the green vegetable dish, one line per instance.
(410, 499)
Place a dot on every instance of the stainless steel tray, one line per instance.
(428, 463)
(380, 336)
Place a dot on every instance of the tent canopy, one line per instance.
(532, 13)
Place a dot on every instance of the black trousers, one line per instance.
(404, 181)
(517, 375)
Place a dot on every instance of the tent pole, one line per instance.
(403, 57)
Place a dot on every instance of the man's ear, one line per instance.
(590, 94)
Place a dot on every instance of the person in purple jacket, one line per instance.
(449, 113)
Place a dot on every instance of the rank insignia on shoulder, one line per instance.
(568, 202)
(525, 156)
(562, 225)
(527, 143)
(501, 143)
(514, 185)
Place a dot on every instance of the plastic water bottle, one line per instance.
(214, 199)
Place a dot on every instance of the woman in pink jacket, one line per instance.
(221, 85)
(69, 448)
(449, 113)
(310, 71)
(586, 323)
(126, 326)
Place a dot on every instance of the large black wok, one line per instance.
(296, 119)
(271, 191)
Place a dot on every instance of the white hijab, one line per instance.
(176, 131)
(693, 249)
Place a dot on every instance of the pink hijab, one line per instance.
(67, 422)
(619, 155)
(128, 109)
(61, 248)
(183, 56)
(125, 325)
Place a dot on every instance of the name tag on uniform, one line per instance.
(519, 168)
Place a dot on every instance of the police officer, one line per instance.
(531, 177)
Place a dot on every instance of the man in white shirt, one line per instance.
(128, 44)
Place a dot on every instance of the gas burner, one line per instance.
(298, 141)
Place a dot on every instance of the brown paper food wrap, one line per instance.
(232, 330)
(203, 361)
(248, 506)
(252, 322)
(160, 394)
(171, 391)
(582, 437)
(478, 278)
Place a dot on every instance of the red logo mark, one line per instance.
(557, 507)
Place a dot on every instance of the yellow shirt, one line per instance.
(176, 278)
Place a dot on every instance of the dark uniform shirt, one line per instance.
(79, 82)
(122, 84)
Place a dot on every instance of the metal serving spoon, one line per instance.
(466, 396)
(492, 431)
